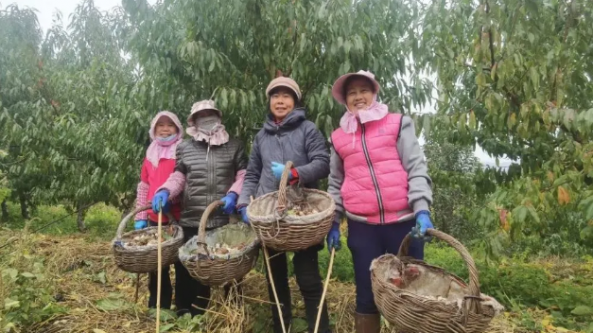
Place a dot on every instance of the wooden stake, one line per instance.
(159, 271)
(329, 273)
(271, 277)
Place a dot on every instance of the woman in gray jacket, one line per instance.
(288, 136)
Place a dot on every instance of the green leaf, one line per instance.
(10, 304)
(299, 325)
(520, 214)
(110, 304)
(10, 272)
(582, 310)
(167, 327)
(534, 76)
(28, 275)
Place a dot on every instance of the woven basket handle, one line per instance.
(124, 222)
(474, 282)
(204, 221)
(283, 187)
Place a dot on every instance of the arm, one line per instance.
(413, 161)
(317, 153)
(240, 166)
(336, 179)
(252, 175)
(176, 181)
(142, 193)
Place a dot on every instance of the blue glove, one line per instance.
(243, 212)
(278, 169)
(230, 201)
(161, 197)
(423, 222)
(333, 237)
(140, 224)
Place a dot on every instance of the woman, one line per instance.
(165, 134)
(379, 181)
(288, 136)
(210, 166)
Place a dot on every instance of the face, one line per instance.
(165, 127)
(281, 103)
(359, 94)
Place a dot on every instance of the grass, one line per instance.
(67, 282)
(81, 290)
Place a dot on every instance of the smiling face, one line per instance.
(165, 127)
(281, 102)
(359, 94)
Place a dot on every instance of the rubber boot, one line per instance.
(367, 323)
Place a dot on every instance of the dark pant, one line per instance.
(190, 295)
(367, 242)
(306, 270)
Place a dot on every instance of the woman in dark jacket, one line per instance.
(288, 136)
(210, 166)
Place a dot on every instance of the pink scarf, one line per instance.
(218, 136)
(163, 149)
(376, 111)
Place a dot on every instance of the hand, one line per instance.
(230, 201)
(278, 169)
(333, 237)
(160, 199)
(243, 212)
(140, 224)
(423, 222)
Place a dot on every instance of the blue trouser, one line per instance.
(367, 242)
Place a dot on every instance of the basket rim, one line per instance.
(271, 218)
(253, 245)
(219, 257)
(147, 248)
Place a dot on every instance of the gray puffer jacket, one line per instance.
(209, 173)
(295, 139)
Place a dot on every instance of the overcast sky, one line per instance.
(47, 8)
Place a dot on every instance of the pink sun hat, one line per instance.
(338, 87)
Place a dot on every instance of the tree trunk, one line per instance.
(24, 207)
(4, 211)
(80, 217)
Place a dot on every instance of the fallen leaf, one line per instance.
(97, 330)
(563, 196)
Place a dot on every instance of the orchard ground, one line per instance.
(63, 281)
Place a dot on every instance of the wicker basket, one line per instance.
(214, 269)
(409, 312)
(282, 232)
(144, 259)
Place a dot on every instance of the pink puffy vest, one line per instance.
(375, 186)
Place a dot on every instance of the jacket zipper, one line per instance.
(373, 177)
(209, 164)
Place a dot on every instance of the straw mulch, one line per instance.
(84, 275)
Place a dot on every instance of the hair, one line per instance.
(354, 77)
(297, 102)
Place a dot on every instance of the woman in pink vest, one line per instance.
(379, 181)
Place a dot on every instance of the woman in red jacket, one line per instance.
(166, 133)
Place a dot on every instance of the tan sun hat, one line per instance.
(206, 104)
(286, 82)
(338, 87)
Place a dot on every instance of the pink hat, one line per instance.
(201, 106)
(338, 87)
